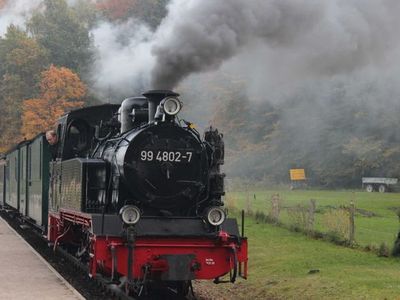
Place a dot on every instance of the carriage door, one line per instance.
(35, 181)
(23, 180)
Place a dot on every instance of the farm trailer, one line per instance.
(381, 184)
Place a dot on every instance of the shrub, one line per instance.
(337, 223)
(298, 217)
(370, 248)
(260, 217)
(335, 238)
(383, 250)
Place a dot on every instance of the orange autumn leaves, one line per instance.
(61, 90)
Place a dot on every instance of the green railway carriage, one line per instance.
(24, 176)
(38, 158)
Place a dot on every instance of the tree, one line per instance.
(60, 91)
(12, 92)
(8, 43)
(367, 153)
(60, 31)
(22, 56)
(86, 12)
(148, 11)
(23, 59)
(116, 9)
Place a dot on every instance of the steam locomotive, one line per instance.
(131, 190)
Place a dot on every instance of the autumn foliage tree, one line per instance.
(61, 90)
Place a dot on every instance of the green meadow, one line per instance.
(289, 265)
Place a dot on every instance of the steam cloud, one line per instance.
(122, 68)
(16, 12)
(323, 37)
(200, 35)
(303, 56)
(272, 42)
(282, 40)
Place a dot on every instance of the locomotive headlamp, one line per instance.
(171, 106)
(216, 216)
(130, 214)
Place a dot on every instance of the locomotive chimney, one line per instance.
(154, 97)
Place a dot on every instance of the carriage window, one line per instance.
(30, 162)
(37, 154)
(21, 166)
(7, 170)
(16, 168)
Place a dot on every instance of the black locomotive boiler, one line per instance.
(137, 194)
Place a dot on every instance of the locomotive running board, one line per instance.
(161, 227)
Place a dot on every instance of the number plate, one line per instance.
(169, 156)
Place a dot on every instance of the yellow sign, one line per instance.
(297, 174)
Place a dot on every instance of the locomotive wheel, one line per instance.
(382, 188)
(369, 188)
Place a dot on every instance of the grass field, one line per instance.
(280, 262)
(376, 221)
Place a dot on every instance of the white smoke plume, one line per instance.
(16, 12)
(124, 58)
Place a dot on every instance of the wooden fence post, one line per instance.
(248, 203)
(275, 209)
(352, 210)
(311, 216)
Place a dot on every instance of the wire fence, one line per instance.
(336, 224)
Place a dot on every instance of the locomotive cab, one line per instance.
(76, 130)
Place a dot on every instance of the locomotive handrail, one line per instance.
(59, 237)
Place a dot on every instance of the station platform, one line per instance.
(24, 274)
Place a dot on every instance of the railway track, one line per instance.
(75, 272)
